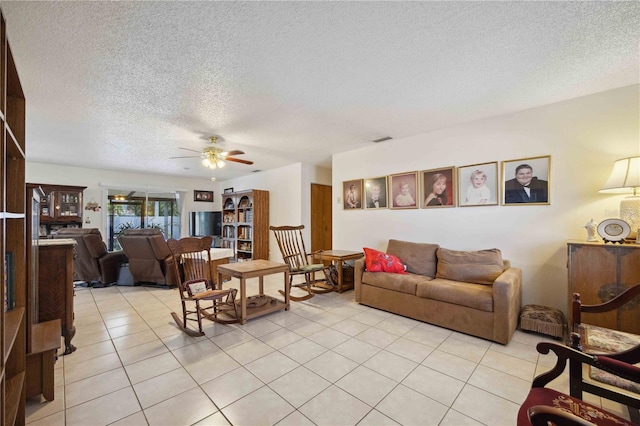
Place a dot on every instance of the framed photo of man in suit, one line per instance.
(526, 181)
(375, 192)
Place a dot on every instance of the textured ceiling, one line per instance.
(122, 85)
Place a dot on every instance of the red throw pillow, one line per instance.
(378, 261)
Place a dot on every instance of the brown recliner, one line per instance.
(150, 260)
(92, 262)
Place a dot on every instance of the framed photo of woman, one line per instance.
(438, 188)
(352, 194)
(375, 193)
(478, 185)
(404, 190)
(526, 181)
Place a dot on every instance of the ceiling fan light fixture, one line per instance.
(220, 163)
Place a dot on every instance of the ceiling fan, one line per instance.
(213, 157)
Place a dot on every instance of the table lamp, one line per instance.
(625, 178)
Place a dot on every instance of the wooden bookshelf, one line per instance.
(245, 224)
(13, 237)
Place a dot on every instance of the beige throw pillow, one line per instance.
(479, 267)
(420, 258)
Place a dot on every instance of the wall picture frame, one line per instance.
(375, 191)
(478, 185)
(438, 188)
(352, 194)
(526, 181)
(206, 196)
(227, 191)
(404, 190)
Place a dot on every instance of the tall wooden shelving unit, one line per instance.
(245, 224)
(13, 237)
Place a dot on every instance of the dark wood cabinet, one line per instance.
(55, 286)
(599, 272)
(62, 208)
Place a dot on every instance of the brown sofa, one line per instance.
(475, 293)
(150, 260)
(92, 262)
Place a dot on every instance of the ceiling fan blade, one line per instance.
(237, 160)
(188, 149)
(187, 156)
(234, 152)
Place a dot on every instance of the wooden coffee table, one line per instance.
(252, 269)
(339, 256)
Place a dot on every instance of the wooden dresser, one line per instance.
(600, 272)
(55, 287)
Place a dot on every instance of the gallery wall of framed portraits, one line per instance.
(516, 182)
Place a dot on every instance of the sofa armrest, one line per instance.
(357, 277)
(507, 300)
(110, 264)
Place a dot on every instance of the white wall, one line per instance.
(289, 195)
(583, 136)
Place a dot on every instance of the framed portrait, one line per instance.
(526, 181)
(438, 188)
(227, 191)
(375, 193)
(404, 190)
(478, 185)
(352, 194)
(203, 196)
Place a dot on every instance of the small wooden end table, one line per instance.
(252, 269)
(339, 256)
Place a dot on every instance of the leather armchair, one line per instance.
(150, 260)
(92, 262)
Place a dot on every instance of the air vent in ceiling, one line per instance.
(386, 138)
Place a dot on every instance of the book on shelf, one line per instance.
(9, 283)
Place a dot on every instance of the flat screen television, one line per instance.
(205, 223)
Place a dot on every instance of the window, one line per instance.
(129, 209)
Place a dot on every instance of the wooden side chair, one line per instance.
(544, 406)
(595, 340)
(193, 276)
(294, 254)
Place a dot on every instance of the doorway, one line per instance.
(321, 221)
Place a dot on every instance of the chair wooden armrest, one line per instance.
(577, 307)
(544, 404)
(564, 354)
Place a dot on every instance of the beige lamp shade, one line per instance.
(625, 178)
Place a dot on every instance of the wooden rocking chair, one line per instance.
(295, 255)
(193, 276)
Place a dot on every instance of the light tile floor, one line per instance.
(327, 361)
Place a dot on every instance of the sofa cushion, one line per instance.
(403, 283)
(378, 261)
(476, 296)
(480, 267)
(420, 258)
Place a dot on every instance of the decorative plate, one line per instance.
(614, 229)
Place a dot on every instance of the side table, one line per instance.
(339, 256)
(252, 269)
